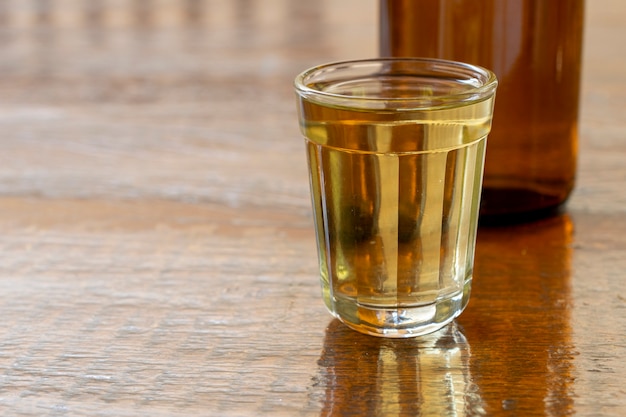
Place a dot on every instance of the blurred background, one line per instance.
(90, 90)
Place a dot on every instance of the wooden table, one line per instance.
(158, 255)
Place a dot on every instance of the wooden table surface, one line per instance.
(157, 247)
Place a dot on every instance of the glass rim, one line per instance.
(468, 75)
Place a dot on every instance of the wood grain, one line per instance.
(158, 255)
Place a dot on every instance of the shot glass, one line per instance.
(396, 150)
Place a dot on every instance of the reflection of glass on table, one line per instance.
(429, 375)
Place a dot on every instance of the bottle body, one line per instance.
(534, 47)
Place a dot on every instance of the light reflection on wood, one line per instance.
(530, 275)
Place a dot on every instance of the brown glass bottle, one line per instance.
(534, 47)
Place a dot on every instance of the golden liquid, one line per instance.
(395, 199)
(534, 47)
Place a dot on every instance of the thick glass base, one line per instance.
(402, 321)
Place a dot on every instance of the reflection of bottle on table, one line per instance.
(519, 319)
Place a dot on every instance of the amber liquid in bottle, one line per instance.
(534, 47)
